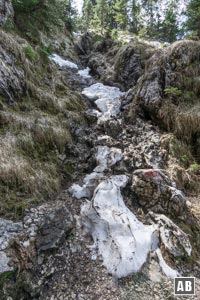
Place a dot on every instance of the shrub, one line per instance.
(173, 91)
(30, 53)
(195, 168)
(45, 51)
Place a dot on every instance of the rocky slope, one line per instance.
(128, 176)
(38, 115)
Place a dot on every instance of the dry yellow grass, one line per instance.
(34, 132)
(187, 122)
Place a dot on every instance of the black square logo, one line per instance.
(184, 286)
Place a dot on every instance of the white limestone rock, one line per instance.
(85, 73)
(167, 270)
(89, 184)
(174, 239)
(120, 238)
(4, 262)
(8, 230)
(62, 62)
(105, 157)
(107, 99)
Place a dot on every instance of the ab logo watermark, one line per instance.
(184, 286)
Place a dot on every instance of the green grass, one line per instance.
(173, 91)
(195, 168)
(30, 53)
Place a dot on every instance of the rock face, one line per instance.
(155, 190)
(130, 63)
(12, 78)
(84, 44)
(171, 78)
(6, 11)
(54, 230)
(121, 66)
(100, 67)
(8, 230)
(174, 239)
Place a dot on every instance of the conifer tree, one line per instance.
(169, 28)
(121, 16)
(70, 16)
(111, 14)
(151, 8)
(193, 14)
(88, 13)
(101, 13)
(135, 16)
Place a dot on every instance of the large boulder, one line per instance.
(6, 11)
(155, 190)
(84, 43)
(176, 67)
(100, 68)
(130, 62)
(123, 65)
(175, 241)
(169, 90)
(101, 62)
(54, 230)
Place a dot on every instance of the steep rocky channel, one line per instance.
(121, 243)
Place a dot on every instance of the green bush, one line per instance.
(114, 34)
(30, 53)
(45, 51)
(194, 167)
(173, 91)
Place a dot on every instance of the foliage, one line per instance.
(30, 53)
(88, 13)
(169, 27)
(142, 17)
(46, 16)
(114, 34)
(152, 16)
(173, 91)
(101, 14)
(112, 14)
(44, 52)
(193, 14)
(194, 167)
(71, 15)
(121, 16)
(8, 26)
(135, 22)
(6, 276)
